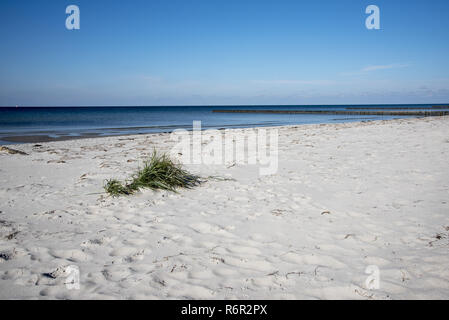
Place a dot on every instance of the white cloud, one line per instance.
(383, 67)
(373, 68)
(295, 82)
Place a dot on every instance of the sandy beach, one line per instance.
(345, 197)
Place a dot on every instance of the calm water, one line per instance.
(66, 122)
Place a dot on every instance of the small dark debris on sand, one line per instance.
(13, 151)
(12, 235)
(7, 255)
(56, 161)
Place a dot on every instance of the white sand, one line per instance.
(385, 186)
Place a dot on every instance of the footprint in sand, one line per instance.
(206, 228)
(128, 254)
(310, 259)
(245, 250)
(97, 242)
(116, 272)
(252, 264)
(74, 255)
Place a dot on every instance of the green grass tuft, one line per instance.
(115, 188)
(159, 172)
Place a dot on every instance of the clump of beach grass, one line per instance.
(159, 172)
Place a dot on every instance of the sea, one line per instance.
(40, 124)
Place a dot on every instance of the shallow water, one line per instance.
(18, 125)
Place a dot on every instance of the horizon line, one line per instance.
(227, 105)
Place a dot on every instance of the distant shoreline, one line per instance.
(43, 138)
(346, 105)
(424, 113)
(45, 124)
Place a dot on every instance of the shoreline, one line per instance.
(18, 140)
(27, 125)
(426, 113)
(346, 196)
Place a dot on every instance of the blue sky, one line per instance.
(194, 52)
